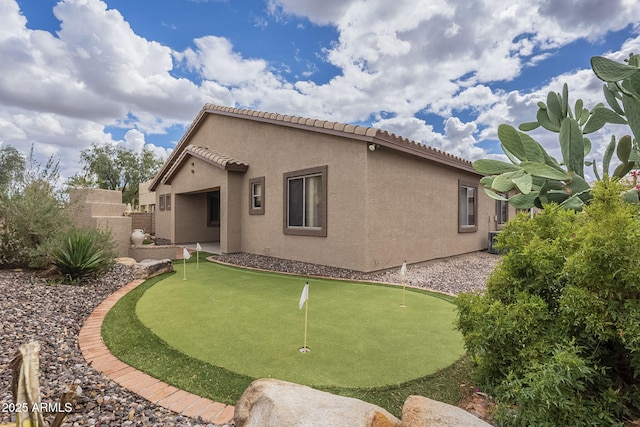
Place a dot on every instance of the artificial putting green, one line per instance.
(249, 322)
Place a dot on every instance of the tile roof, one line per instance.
(208, 155)
(368, 134)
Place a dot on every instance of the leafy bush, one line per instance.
(556, 336)
(31, 214)
(83, 253)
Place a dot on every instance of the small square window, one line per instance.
(256, 196)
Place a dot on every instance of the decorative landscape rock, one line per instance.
(126, 261)
(453, 275)
(152, 267)
(269, 402)
(33, 310)
(419, 411)
(53, 315)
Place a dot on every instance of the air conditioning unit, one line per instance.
(492, 242)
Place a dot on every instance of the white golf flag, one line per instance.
(185, 253)
(198, 247)
(305, 296)
(403, 270)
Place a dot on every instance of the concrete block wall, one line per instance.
(143, 252)
(120, 228)
(102, 209)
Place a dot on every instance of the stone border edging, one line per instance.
(100, 358)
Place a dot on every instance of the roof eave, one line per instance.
(182, 159)
(195, 124)
(385, 139)
(314, 125)
(361, 133)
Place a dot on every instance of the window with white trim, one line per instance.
(256, 196)
(467, 207)
(305, 204)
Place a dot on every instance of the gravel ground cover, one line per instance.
(33, 310)
(453, 275)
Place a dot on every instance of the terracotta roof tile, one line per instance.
(210, 156)
(369, 134)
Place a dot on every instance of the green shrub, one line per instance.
(556, 336)
(558, 392)
(31, 214)
(83, 253)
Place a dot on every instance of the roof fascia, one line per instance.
(423, 151)
(182, 159)
(177, 151)
(315, 125)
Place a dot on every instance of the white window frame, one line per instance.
(256, 196)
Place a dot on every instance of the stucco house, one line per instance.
(318, 191)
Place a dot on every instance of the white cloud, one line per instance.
(406, 56)
(458, 138)
(65, 90)
(319, 12)
(215, 59)
(61, 91)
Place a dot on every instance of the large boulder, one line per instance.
(270, 402)
(152, 267)
(420, 411)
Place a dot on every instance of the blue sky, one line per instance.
(444, 73)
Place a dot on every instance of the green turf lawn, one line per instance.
(248, 322)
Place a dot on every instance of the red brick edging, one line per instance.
(100, 358)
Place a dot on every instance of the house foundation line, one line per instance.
(315, 276)
(98, 356)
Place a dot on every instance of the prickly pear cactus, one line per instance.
(536, 177)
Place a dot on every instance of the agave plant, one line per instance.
(537, 177)
(79, 255)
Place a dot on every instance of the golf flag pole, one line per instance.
(403, 273)
(185, 257)
(198, 249)
(304, 300)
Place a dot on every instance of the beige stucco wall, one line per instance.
(102, 209)
(147, 199)
(189, 202)
(164, 218)
(120, 228)
(143, 252)
(383, 206)
(412, 211)
(271, 151)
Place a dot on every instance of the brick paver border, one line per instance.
(100, 358)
